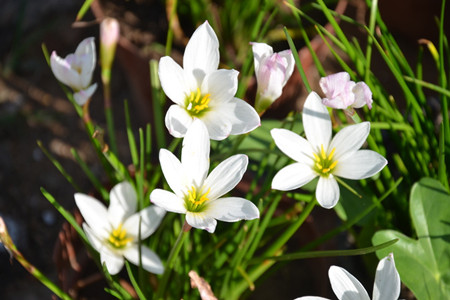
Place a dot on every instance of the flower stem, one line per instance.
(170, 261)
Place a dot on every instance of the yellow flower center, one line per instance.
(118, 237)
(197, 103)
(195, 200)
(323, 163)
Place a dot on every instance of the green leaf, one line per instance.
(424, 263)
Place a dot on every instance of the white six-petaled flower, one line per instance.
(202, 91)
(114, 231)
(75, 70)
(342, 93)
(320, 156)
(194, 192)
(272, 71)
(345, 286)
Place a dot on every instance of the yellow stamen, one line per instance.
(197, 103)
(324, 163)
(118, 237)
(195, 199)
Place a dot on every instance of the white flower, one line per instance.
(346, 287)
(114, 231)
(196, 194)
(342, 93)
(319, 155)
(76, 70)
(201, 91)
(272, 71)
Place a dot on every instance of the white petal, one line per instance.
(349, 139)
(177, 121)
(363, 95)
(201, 220)
(387, 280)
(86, 58)
(292, 177)
(93, 212)
(167, 200)
(94, 239)
(64, 72)
(221, 85)
(244, 118)
(150, 261)
(232, 209)
(201, 55)
(173, 80)
(114, 262)
(327, 191)
(287, 54)
(293, 145)
(218, 122)
(271, 77)
(311, 298)
(316, 122)
(362, 164)
(195, 153)
(122, 203)
(150, 218)
(173, 171)
(81, 97)
(260, 52)
(226, 175)
(345, 285)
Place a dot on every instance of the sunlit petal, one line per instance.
(327, 191)
(201, 220)
(167, 200)
(349, 139)
(316, 122)
(360, 165)
(292, 177)
(150, 261)
(149, 218)
(345, 286)
(122, 202)
(232, 209)
(93, 211)
(178, 121)
(293, 145)
(387, 280)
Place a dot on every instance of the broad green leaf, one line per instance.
(424, 263)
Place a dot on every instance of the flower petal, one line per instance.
(311, 298)
(94, 213)
(64, 72)
(292, 177)
(316, 122)
(260, 52)
(218, 122)
(290, 63)
(345, 286)
(244, 118)
(177, 121)
(195, 153)
(150, 260)
(362, 164)
(293, 145)
(349, 139)
(114, 262)
(150, 218)
(334, 84)
(201, 55)
(363, 95)
(173, 171)
(387, 280)
(167, 200)
(221, 85)
(201, 220)
(232, 209)
(226, 175)
(122, 203)
(173, 80)
(327, 191)
(93, 238)
(81, 97)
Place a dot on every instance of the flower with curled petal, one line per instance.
(202, 91)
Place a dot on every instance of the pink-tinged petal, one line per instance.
(387, 280)
(345, 286)
(87, 47)
(361, 164)
(173, 171)
(201, 55)
(290, 63)
(201, 220)
(109, 32)
(63, 72)
(94, 213)
(260, 52)
(244, 118)
(114, 262)
(122, 203)
(226, 175)
(333, 85)
(292, 177)
(167, 200)
(177, 121)
(149, 218)
(221, 85)
(293, 145)
(94, 238)
(232, 209)
(195, 153)
(150, 261)
(349, 139)
(327, 191)
(363, 95)
(81, 97)
(316, 122)
(174, 81)
(86, 57)
(271, 77)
